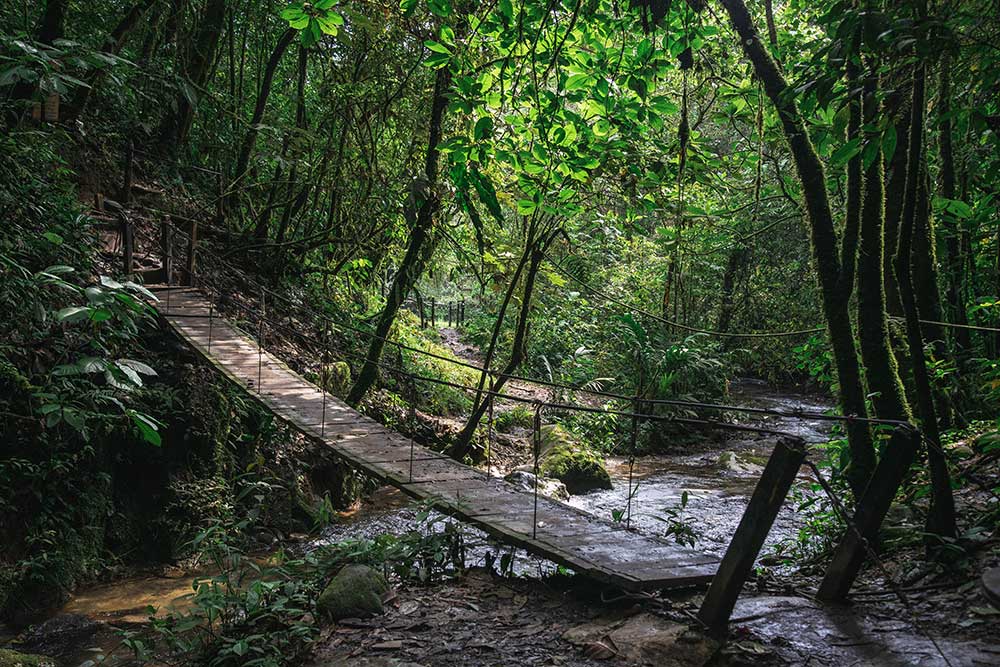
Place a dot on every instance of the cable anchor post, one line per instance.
(537, 438)
(325, 378)
(413, 421)
(489, 429)
(260, 340)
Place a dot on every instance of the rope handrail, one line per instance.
(759, 334)
(795, 414)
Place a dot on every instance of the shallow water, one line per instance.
(718, 482)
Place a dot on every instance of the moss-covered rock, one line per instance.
(10, 658)
(577, 466)
(356, 592)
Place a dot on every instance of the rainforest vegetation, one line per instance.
(565, 242)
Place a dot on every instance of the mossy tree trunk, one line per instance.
(197, 64)
(535, 250)
(941, 518)
(824, 244)
(426, 204)
(250, 138)
(956, 267)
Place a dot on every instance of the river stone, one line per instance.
(645, 639)
(10, 658)
(525, 481)
(55, 634)
(356, 592)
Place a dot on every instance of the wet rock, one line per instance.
(52, 636)
(580, 468)
(525, 481)
(991, 585)
(732, 462)
(356, 592)
(10, 658)
(645, 639)
(368, 662)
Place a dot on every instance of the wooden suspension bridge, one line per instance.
(604, 551)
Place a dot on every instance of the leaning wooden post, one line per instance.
(871, 510)
(192, 251)
(127, 180)
(766, 501)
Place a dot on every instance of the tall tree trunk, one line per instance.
(535, 250)
(198, 62)
(421, 245)
(941, 518)
(895, 192)
(250, 138)
(300, 125)
(824, 244)
(112, 45)
(51, 26)
(881, 370)
(956, 271)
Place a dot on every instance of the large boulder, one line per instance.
(577, 466)
(356, 592)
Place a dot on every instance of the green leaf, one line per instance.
(578, 82)
(407, 6)
(137, 366)
(437, 60)
(300, 22)
(437, 47)
(484, 128)
(73, 314)
(526, 207)
(52, 238)
(292, 13)
(889, 142)
(846, 152)
(147, 427)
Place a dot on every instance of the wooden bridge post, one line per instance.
(768, 497)
(167, 243)
(128, 241)
(220, 202)
(449, 314)
(433, 315)
(489, 429)
(192, 251)
(537, 441)
(871, 510)
(325, 377)
(413, 420)
(260, 339)
(127, 180)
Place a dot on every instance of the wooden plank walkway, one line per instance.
(602, 550)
